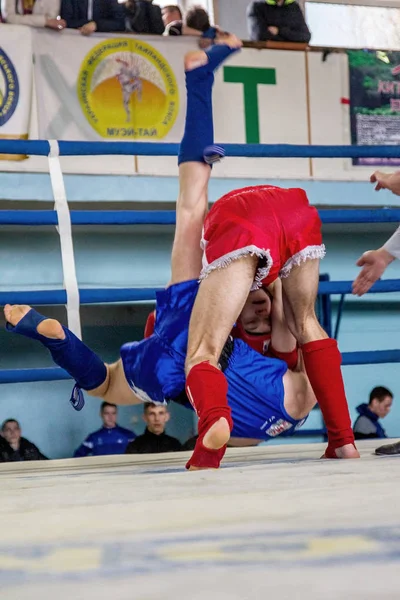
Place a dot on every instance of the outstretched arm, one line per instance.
(375, 262)
(386, 181)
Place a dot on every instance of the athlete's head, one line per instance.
(256, 314)
(254, 323)
(108, 413)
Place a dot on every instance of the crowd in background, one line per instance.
(272, 20)
(113, 439)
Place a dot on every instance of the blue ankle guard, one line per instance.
(71, 354)
(213, 154)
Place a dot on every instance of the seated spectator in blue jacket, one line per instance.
(154, 439)
(277, 20)
(367, 425)
(110, 439)
(14, 447)
(93, 15)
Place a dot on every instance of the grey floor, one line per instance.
(274, 523)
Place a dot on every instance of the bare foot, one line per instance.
(216, 437)
(49, 327)
(198, 58)
(346, 451)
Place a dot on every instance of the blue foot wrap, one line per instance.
(213, 154)
(71, 354)
(77, 398)
(199, 126)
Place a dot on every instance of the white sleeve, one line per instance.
(393, 244)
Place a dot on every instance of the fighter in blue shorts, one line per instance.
(264, 397)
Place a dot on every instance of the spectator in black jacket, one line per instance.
(276, 20)
(93, 15)
(14, 447)
(154, 439)
(367, 424)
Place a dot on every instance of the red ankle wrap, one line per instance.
(290, 358)
(207, 388)
(322, 361)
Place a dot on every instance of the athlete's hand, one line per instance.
(373, 263)
(386, 181)
(273, 30)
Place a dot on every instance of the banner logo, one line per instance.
(9, 88)
(127, 90)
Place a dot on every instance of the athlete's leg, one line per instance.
(194, 173)
(219, 302)
(107, 382)
(321, 356)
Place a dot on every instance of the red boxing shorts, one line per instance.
(278, 225)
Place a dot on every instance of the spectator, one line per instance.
(367, 425)
(14, 447)
(174, 24)
(171, 14)
(110, 439)
(197, 18)
(276, 20)
(93, 15)
(35, 13)
(154, 439)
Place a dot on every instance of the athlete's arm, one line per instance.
(283, 344)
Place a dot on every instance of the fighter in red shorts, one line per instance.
(250, 237)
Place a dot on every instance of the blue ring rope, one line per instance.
(167, 217)
(75, 148)
(57, 374)
(106, 296)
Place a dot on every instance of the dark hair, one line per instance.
(7, 421)
(148, 405)
(172, 8)
(379, 393)
(197, 18)
(104, 405)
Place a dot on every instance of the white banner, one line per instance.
(109, 88)
(15, 81)
(122, 87)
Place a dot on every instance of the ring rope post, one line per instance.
(65, 232)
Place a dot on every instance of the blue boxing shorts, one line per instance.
(155, 370)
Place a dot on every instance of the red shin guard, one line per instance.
(207, 388)
(322, 361)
